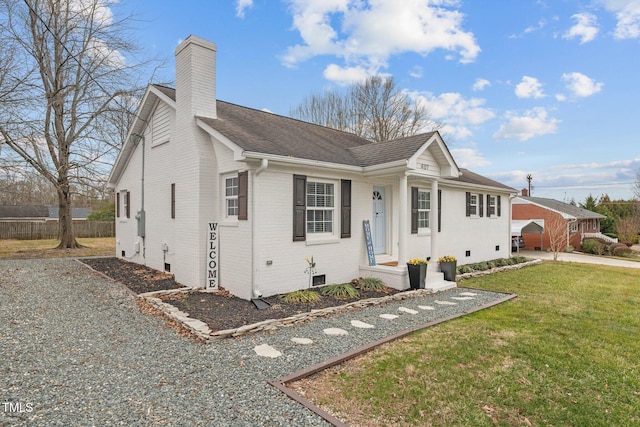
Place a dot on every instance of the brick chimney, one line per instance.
(196, 77)
(524, 192)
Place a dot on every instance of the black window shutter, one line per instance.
(118, 205)
(488, 205)
(414, 210)
(468, 204)
(173, 200)
(480, 204)
(299, 207)
(128, 204)
(345, 208)
(439, 211)
(243, 188)
(499, 213)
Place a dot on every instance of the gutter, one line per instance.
(255, 292)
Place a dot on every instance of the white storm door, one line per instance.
(379, 230)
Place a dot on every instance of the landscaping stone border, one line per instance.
(202, 330)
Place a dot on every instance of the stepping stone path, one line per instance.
(335, 331)
(265, 350)
(389, 316)
(359, 324)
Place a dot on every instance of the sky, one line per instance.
(547, 88)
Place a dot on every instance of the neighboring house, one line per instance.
(281, 190)
(23, 213)
(77, 214)
(38, 213)
(580, 223)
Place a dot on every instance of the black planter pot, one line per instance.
(417, 275)
(449, 270)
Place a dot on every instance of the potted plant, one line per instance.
(448, 264)
(417, 272)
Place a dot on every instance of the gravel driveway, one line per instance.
(75, 350)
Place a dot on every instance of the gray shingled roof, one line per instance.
(24, 211)
(263, 132)
(473, 178)
(574, 211)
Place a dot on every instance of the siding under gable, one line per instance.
(161, 124)
(426, 162)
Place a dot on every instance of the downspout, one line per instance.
(511, 197)
(255, 293)
(140, 216)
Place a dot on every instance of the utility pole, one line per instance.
(529, 178)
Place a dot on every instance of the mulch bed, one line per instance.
(219, 310)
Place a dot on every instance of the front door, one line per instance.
(379, 231)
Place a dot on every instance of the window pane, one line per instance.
(231, 186)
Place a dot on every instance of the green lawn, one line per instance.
(12, 249)
(566, 352)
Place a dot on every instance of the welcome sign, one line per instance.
(212, 256)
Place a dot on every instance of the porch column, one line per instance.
(434, 225)
(402, 223)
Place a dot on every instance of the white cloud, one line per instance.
(480, 84)
(529, 87)
(469, 158)
(345, 75)
(368, 33)
(455, 111)
(535, 122)
(628, 15)
(241, 6)
(586, 28)
(581, 85)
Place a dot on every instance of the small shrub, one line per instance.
(623, 250)
(502, 262)
(341, 290)
(491, 264)
(302, 296)
(481, 266)
(593, 246)
(519, 259)
(369, 284)
(464, 269)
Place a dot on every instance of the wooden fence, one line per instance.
(34, 230)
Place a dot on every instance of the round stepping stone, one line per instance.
(446, 302)
(265, 350)
(335, 331)
(305, 341)
(359, 324)
(407, 310)
(426, 307)
(389, 316)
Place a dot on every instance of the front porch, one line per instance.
(396, 276)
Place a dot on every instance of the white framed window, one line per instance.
(231, 196)
(574, 227)
(473, 205)
(491, 205)
(320, 197)
(424, 208)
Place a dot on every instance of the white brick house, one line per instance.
(281, 190)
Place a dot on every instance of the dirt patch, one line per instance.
(219, 310)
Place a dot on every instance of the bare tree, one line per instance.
(636, 186)
(67, 73)
(373, 109)
(556, 229)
